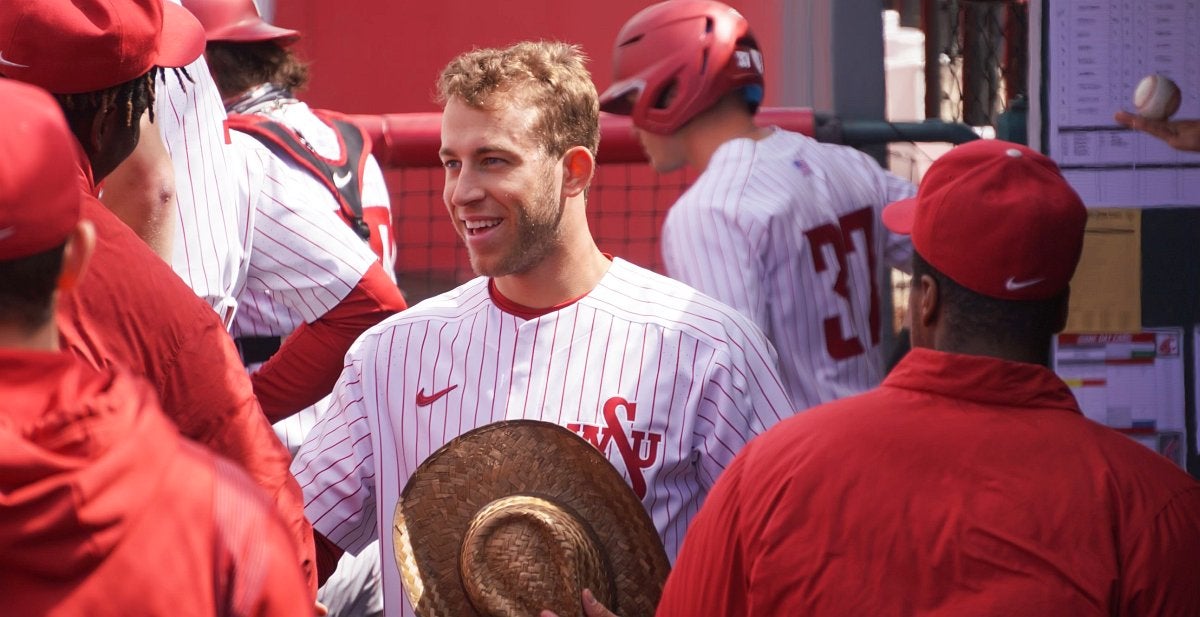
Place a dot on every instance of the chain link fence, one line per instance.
(975, 73)
(976, 60)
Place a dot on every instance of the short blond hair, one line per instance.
(550, 76)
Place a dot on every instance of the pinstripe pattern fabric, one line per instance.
(786, 230)
(209, 232)
(324, 141)
(302, 257)
(668, 383)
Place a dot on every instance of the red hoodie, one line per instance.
(132, 312)
(106, 510)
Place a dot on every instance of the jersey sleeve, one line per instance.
(897, 248)
(302, 253)
(306, 367)
(1160, 572)
(715, 253)
(335, 466)
(711, 573)
(208, 245)
(743, 396)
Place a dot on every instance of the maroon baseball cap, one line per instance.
(39, 180)
(237, 21)
(74, 46)
(996, 217)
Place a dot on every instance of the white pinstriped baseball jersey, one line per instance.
(667, 382)
(303, 258)
(209, 251)
(297, 116)
(299, 258)
(786, 230)
(264, 313)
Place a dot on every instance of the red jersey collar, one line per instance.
(527, 312)
(981, 379)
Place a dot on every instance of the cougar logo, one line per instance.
(638, 449)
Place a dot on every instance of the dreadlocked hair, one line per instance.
(137, 95)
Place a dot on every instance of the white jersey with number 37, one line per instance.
(666, 382)
(786, 229)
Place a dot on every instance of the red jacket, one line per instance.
(132, 312)
(963, 485)
(106, 510)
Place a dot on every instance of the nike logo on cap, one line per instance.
(4, 62)
(1012, 284)
(341, 180)
(424, 401)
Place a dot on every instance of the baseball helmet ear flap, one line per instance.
(676, 59)
(237, 21)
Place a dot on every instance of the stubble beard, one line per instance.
(538, 234)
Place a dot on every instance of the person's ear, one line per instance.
(77, 255)
(929, 305)
(578, 168)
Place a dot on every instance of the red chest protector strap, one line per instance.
(343, 177)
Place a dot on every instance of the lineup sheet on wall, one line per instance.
(1096, 52)
(1132, 382)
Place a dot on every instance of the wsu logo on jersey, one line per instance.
(639, 449)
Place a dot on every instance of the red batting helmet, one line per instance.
(237, 21)
(681, 56)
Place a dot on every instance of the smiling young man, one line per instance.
(666, 382)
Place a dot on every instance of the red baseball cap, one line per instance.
(74, 46)
(39, 180)
(996, 217)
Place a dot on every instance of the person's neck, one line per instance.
(42, 338)
(261, 96)
(571, 272)
(711, 130)
(1013, 352)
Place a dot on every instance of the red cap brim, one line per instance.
(182, 39)
(615, 99)
(247, 31)
(899, 216)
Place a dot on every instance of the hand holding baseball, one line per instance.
(1179, 134)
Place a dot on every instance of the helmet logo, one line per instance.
(747, 58)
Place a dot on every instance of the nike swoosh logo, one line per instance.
(10, 63)
(341, 180)
(424, 401)
(1014, 285)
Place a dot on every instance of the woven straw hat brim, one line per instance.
(520, 457)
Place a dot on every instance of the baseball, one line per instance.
(1156, 97)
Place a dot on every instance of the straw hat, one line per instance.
(519, 516)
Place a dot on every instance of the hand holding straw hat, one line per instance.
(520, 516)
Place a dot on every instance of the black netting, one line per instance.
(980, 59)
(626, 207)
